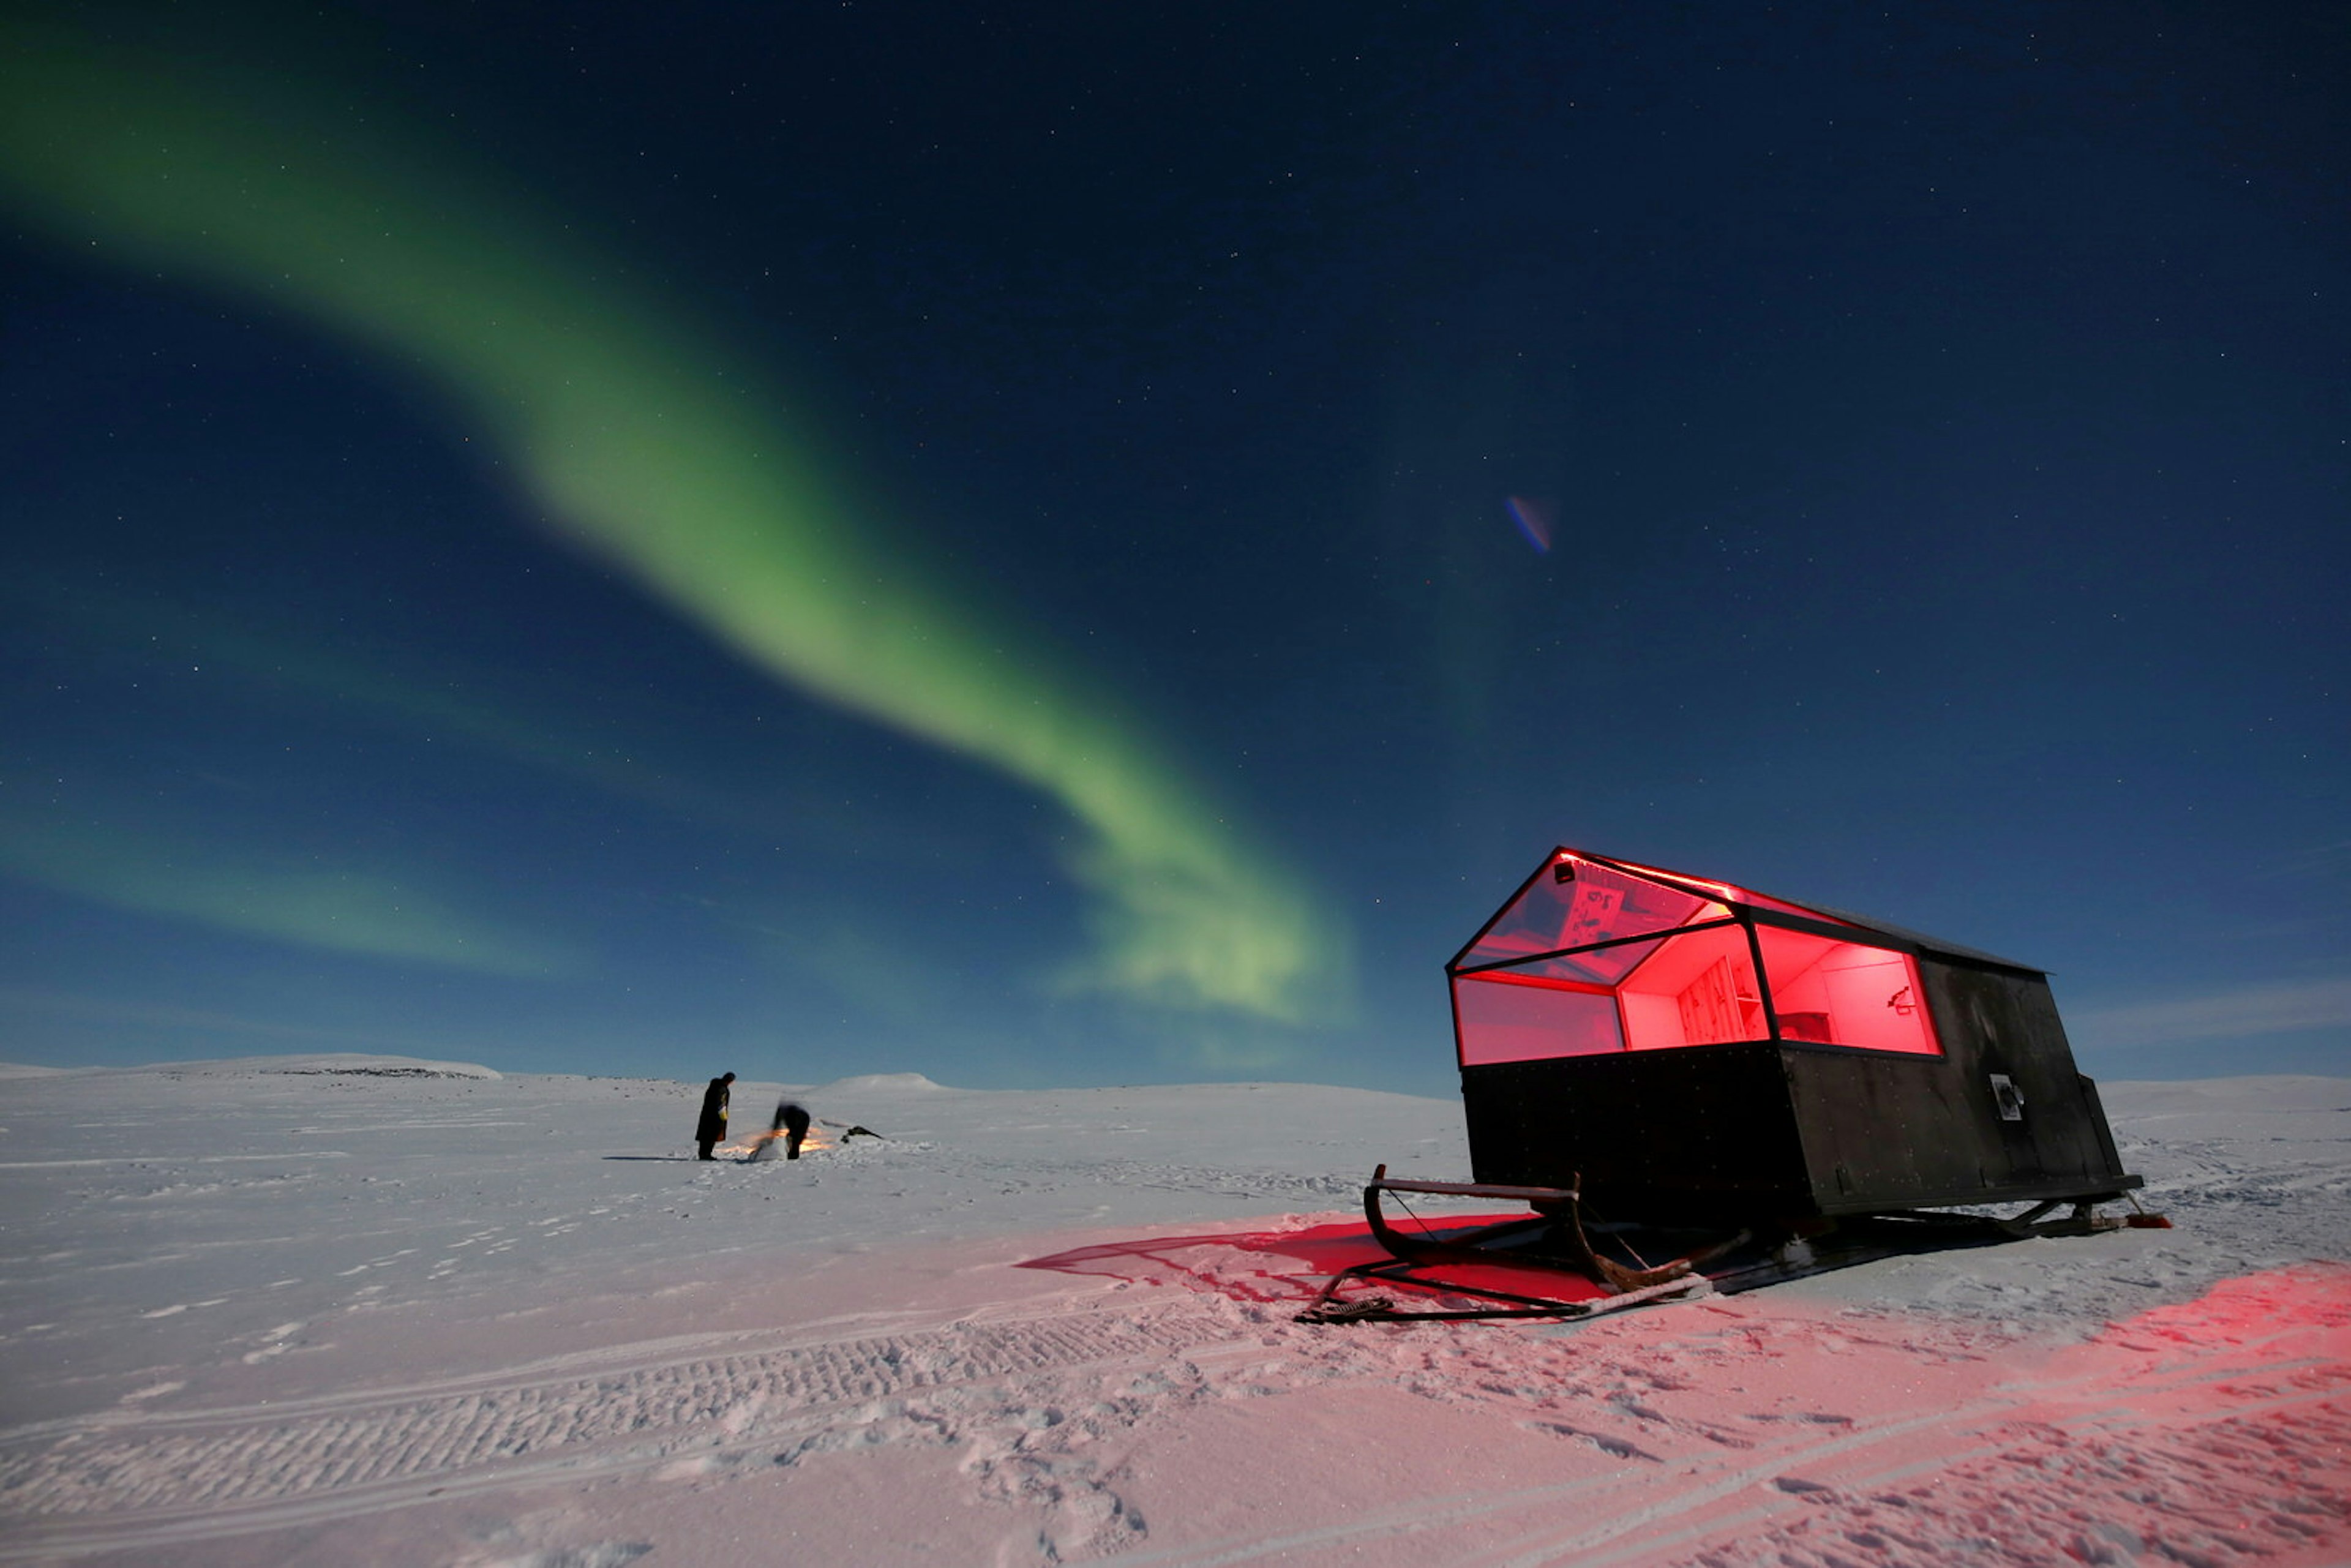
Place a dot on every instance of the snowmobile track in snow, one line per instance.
(2211, 1432)
(108, 1482)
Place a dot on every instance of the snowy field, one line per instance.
(336, 1310)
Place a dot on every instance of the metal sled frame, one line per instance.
(1559, 1211)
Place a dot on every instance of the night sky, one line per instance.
(1093, 544)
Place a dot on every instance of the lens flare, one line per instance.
(1533, 519)
(638, 436)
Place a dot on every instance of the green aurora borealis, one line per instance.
(844, 539)
(641, 441)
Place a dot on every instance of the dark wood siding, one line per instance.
(1689, 1134)
(1765, 1131)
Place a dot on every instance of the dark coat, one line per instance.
(713, 1125)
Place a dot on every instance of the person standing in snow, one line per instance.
(713, 1125)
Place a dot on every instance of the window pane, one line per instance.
(1597, 905)
(1603, 967)
(1747, 896)
(1841, 993)
(1698, 989)
(1504, 1018)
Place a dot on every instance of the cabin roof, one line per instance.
(1700, 891)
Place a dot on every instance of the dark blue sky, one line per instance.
(892, 537)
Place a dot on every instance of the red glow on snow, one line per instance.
(1287, 1268)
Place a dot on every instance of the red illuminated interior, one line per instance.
(1598, 955)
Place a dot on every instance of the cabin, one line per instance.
(1683, 1050)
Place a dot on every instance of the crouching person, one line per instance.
(791, 1127)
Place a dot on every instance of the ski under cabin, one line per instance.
(1696, 1052)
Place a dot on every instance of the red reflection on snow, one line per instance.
(2251, 1311)
(1288, 1266)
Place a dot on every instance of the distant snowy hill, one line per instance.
(343, 1065)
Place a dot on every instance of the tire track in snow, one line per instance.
(2209, 1433)
(2214, 1427)
(2037, 1492)
(2095, 1489)
(2212, 1433)
(93, 1485)
(2264, 1482)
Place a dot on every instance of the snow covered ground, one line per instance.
(368, 1310)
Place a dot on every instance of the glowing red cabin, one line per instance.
(1686, 1049)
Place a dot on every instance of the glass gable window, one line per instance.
(1590, 957)
(1593, 966)
(1576, 904)
(1742, 895)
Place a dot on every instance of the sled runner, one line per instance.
(1551, 1238)
(1553, 1258)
